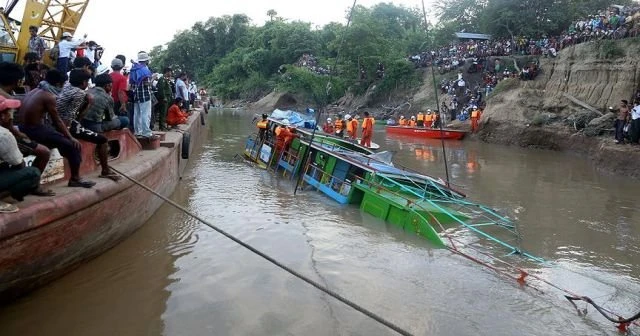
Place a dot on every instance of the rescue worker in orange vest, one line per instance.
(421, 120)
(328, 127)
(262, 127)
(352, 127)
(475, 116)
(402, 121)
(428, 120)
(412, 122)
(339, 126)
(284, 138)
(367, 130)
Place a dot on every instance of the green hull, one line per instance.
(418, 217)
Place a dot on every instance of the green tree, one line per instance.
(272, 14)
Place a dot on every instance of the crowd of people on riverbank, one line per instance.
(310, 62)
(44, 108)
(613, 23)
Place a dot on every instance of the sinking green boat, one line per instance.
(351, 174)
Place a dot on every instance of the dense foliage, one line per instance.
(239, 60)
(508, 18)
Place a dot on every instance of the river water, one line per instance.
(177, 277)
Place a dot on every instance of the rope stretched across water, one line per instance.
(286, 268)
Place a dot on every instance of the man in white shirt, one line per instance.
(15, 178)
(635, 123)
(65, 47)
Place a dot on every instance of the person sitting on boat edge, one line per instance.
(10, 76)
(412, 122)
(402, 121)
(263, 125)
(101, 117)
(328, 127)
(367, 130)
(41, 103)
(15, 177)
(175, 116)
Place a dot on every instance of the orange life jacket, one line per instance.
(352, 126)
(262, 124)
(421, 116)
(367, 124)
(278, 130)
(475, 114)
(428, 118)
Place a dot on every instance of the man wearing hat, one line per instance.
(118, 87)
(140, 81)
(65, 46)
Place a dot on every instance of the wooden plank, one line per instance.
(581, 103)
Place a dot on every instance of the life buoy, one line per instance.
(186, 142)
(202, 119)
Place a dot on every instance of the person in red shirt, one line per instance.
(119, 90)
(175, 116)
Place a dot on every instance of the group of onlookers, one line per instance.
(43, 108)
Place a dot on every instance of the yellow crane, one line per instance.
(53, 17)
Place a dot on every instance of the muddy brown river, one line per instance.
(177, 277)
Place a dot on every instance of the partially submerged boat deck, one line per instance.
(413, 201)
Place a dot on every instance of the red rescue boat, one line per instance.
(431, 133)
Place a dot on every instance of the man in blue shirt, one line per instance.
(140, 80)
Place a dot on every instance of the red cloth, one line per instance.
(175, 116)
(119, 84)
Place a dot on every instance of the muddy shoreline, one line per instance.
(606, 156)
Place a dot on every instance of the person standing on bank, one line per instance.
(140, 81)
(635, 123)
(621, 121)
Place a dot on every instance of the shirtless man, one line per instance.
(37, 105)
(10, 75)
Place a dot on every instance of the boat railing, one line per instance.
(341, 186)
(481, 216)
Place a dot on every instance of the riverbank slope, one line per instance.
(566, 108)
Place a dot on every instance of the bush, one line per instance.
(505, 85)
(320, 89)
(609, 49)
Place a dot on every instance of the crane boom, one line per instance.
(54, 17)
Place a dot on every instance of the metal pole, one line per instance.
(435, 90)
(328, 88)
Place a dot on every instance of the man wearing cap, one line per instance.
(65, 46)
(140, 81)
(119, 87)
(10, 75)
(15, 178)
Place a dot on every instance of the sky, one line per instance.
(156, 22)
